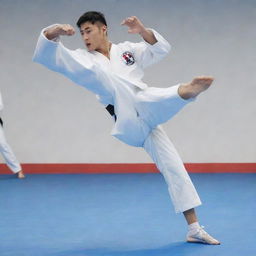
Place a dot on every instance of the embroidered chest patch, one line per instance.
(128, 58)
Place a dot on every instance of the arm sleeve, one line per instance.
(76, 65)
(147, 54)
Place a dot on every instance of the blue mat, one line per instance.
(122, 214)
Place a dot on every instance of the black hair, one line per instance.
(92, 17)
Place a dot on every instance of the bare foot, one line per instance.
(20, 175)
(194, 88)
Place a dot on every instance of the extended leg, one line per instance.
(158, 105)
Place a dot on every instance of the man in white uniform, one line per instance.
(7, 152)
(114, 72)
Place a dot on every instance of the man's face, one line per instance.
(93, 35)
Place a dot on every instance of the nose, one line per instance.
(85, 37)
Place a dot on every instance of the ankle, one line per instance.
(20, 174)
(184, 92)
(193, 226)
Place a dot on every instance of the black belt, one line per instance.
(1, 122)
(111, 110)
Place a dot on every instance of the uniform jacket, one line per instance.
(115, 81)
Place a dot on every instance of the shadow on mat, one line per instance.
(177, 249)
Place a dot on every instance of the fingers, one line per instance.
(129, 21)
(205, 77)
(134, 25)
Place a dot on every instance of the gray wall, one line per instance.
(49, 119)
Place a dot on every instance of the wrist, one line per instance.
(143, 31)
(52, 32)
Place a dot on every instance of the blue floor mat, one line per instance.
(122, 214)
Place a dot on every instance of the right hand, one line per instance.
(59, 30)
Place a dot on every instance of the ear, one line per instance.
(104, 29)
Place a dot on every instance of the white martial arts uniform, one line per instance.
(139, 108)
(6, 150)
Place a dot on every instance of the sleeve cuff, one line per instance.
(55, 40)
(161, 42)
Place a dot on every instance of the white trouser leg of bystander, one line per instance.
(8, 154)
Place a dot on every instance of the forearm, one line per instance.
(51, 33)
(75, 65)
(48, 50)
(57, 30)
(135, 26)
(148, 36)
(147, 53)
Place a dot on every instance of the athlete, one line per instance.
(7, 152)
(114, 73)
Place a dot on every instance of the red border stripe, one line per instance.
(54, 168)
(84, 168)
(221, 167)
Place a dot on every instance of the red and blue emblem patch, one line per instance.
(128, 58)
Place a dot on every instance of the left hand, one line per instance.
(134, 25)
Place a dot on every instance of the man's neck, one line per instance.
(105, 49)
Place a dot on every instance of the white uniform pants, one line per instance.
(8, 154)
(167, 160)
(158, 105)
